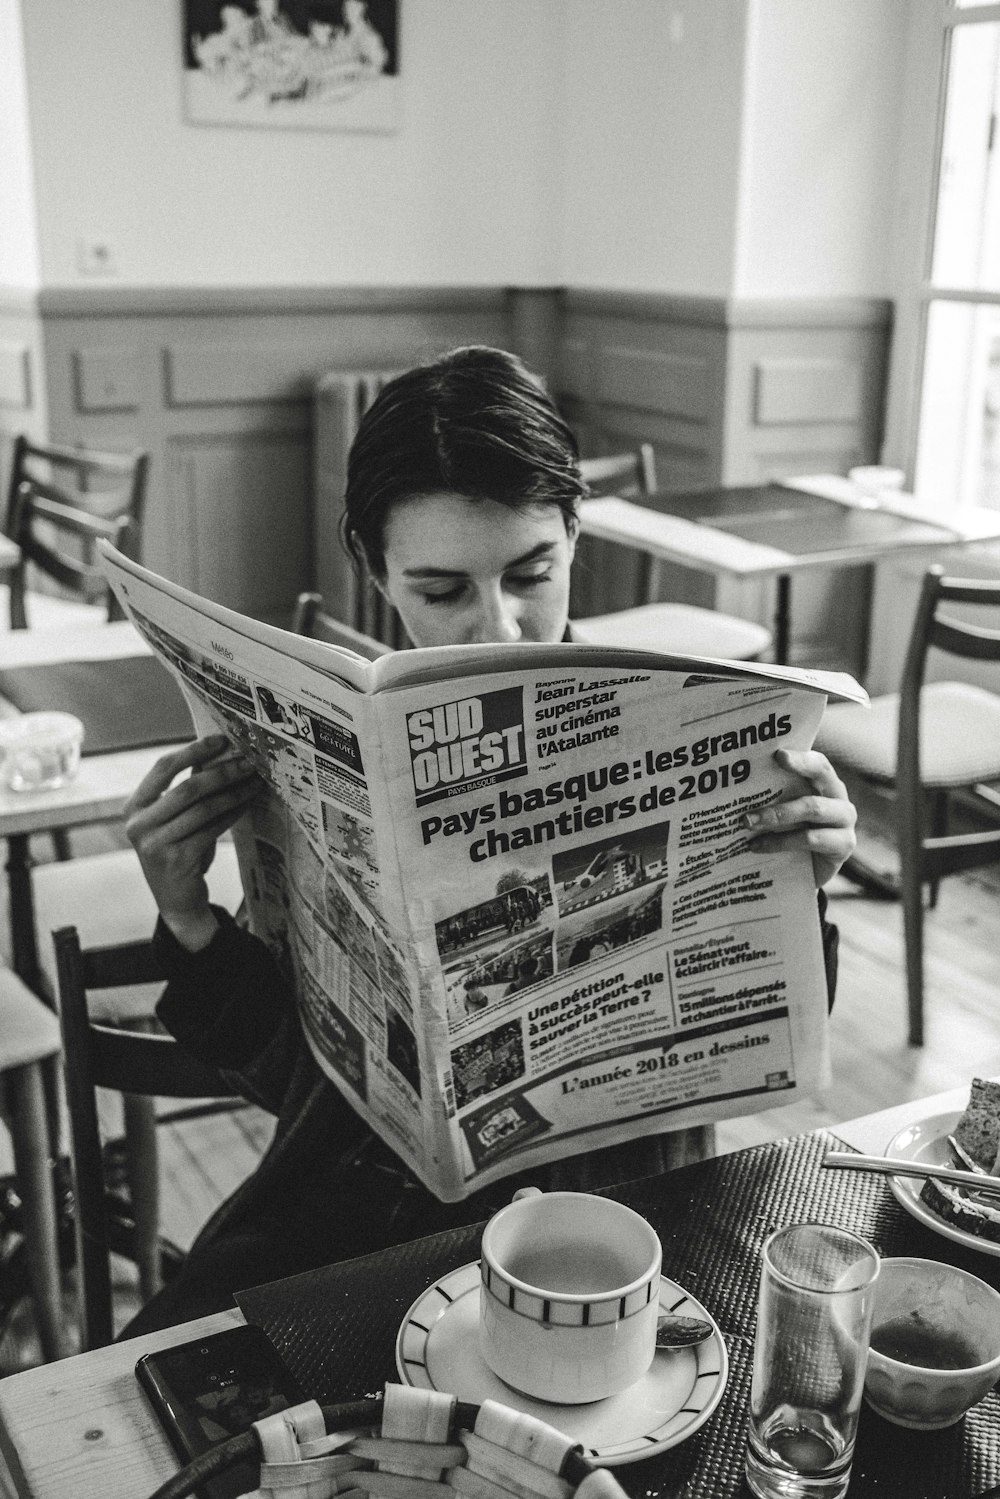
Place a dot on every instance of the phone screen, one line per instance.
(214, 1388)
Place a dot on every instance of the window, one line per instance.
(957, 449)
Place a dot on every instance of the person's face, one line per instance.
(468, 572)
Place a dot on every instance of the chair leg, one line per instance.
(143, 1168)
(61, 844)
(649, 579)
(28, 1122)
(912, 898)
(16, 586)
(939, 829)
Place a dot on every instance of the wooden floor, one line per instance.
(872, 1066)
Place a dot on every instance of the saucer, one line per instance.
(437, 1348)
(926, 1141)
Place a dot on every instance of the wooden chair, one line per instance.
(624, 474)
(927, 741)
(683, 629)
(61, 500)
(134, 1063)
(312, 620)
(29, 1041)
(111, 905)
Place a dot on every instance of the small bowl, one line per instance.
(39, 751)
(931, 1309)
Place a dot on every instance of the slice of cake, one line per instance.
(978, 1132)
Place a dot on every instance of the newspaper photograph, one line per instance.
(513, 886)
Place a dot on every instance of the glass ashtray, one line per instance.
(39, 751)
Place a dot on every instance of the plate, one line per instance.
(437, 1348)
(927, 1140)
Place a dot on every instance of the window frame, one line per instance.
(926, 87)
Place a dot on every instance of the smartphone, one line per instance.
(214, 1388)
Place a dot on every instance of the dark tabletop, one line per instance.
(805, 525)
(124, 703)
(337, 1327)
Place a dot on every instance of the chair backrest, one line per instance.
(311, 619)
(605, 578)
(934, 630)
(60, 501)
(625, 474)
(128, 1061)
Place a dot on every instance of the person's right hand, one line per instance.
(174, 828)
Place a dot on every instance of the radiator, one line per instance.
(341, 399)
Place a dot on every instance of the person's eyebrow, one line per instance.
(541, 553)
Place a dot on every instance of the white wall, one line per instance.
(654, 97)
(461, 194)
(18, 242)
(820, 145)
(710, 147)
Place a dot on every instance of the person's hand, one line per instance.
(174, 829)
(822, 820)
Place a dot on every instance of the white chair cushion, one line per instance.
(46, 612)
(680, 628)
(108, 901)
(959, 736)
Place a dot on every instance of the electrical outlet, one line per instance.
(96, 257)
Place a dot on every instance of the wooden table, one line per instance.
(97, 794)
(82, 1428)
(777, 530)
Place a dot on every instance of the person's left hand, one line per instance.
(822, 820)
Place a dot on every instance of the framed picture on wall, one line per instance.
(294, 64)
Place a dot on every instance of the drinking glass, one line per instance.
(817, 1293)
(39, 751)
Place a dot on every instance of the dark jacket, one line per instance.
(231, 1006)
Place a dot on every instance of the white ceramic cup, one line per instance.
(569, 1296)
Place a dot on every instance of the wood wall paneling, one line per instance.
(15, 375)
(237, 373)
(217, 384)
(246, 495)
(640, 369)
(805, 395)
(812, 391)
(22, 376)
(106, 380)
(664, 381)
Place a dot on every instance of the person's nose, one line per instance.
(499, 620)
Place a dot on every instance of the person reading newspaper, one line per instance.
(462, 504)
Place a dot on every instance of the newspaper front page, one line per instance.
(518, 903)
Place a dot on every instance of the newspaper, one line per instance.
(512, 884)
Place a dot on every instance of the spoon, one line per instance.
(681, 1332)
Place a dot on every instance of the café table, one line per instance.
(778, 531)
(130, 708)
(82, 1427)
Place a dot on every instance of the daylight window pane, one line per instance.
(967, 232)
(958, 454)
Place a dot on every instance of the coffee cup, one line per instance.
(569, 1296)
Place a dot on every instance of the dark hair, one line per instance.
(474, 422)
